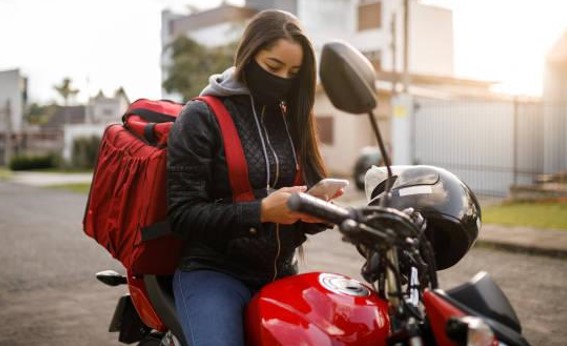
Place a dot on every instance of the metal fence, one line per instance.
(491, 145)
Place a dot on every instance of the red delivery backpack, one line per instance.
(126, 210)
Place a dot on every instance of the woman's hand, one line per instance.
(311, 219)
(275, 209)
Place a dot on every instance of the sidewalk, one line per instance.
(49, 179)
(547, 242)
(537, 241)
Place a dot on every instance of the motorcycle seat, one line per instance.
(160, 292)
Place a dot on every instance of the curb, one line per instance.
(517, 248)
(545, 242)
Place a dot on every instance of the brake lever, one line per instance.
(416, 217)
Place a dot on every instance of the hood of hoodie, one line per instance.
(225, 84)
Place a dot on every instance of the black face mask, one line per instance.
(266, 88)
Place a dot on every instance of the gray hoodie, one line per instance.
(225, 84)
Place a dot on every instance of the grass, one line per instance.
(528, 214)
(62, 170)
(77, 188)
(5, 173)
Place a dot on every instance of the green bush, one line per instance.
(27, 162)
(85, 150)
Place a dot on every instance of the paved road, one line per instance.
(48, 294)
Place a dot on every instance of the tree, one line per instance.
(192, 64)
(65, 90)
(36, 114)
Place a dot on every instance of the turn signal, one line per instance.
(471, 331)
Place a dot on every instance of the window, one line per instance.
(325, 129)
(369, 15)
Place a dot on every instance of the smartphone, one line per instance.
(327, 188)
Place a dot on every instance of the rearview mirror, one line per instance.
(348, 78)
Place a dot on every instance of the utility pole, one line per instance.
(403, 106)
(405, 79)
(7, 112)
(394, 52)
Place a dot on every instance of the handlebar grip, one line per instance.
(328, 212)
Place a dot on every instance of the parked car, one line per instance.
(369, 156)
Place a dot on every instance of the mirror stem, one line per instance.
(384, 155)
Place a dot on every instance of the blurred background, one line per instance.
(472, 86)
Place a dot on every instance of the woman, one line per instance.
(234, 248)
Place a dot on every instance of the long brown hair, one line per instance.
(261, 33)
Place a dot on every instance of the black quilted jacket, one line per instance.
(220, 234)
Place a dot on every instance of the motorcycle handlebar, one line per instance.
(328, 212)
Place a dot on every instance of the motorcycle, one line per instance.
(419, 219)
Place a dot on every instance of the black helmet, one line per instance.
(449, 206)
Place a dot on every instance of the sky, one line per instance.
(106, 44)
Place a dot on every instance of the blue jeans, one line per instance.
(210, 306)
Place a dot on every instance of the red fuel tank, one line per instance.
(317, 309)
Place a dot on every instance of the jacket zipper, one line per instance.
(276, 159)
(277, 253)
(276, 178)
(283, 112)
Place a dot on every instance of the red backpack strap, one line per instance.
(235, 159)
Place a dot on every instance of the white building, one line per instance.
(104, 110)
(376, 29)
(366, 24)
(101, 111)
